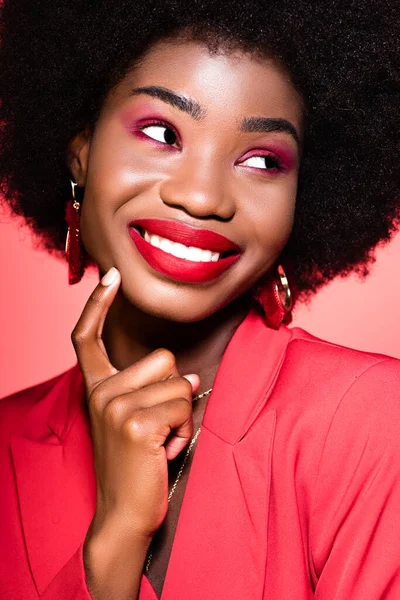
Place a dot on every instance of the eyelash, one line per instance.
(155, 123)
(278, 166)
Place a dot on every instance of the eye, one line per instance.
(265, 163)
(160, 133)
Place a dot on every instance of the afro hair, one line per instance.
(59, 59)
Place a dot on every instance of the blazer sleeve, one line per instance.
(70, 582)
(355, 520)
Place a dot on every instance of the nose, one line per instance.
(200, 189)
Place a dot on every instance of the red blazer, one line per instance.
(294, 492)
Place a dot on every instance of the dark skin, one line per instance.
(214, 169)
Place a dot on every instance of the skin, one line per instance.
(211, 178)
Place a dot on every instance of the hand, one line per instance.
(140, 418)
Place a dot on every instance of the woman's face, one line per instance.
(187, 146)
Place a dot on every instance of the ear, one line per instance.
(78, 156)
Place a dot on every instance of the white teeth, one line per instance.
(194, 254)
(207, 255)
(155, 241)
(180, 250)
(165, 245)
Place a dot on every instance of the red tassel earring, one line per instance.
(275, 298)
(73, 247)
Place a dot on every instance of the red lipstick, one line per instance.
(181, 269)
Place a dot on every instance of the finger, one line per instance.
(180, 438)
(194, 381)
(86, 336)
(122, 408)
(158, 366)
(155, 423)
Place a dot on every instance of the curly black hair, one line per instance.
(60, 58)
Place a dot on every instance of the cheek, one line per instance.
(273, 218)
(117, 172)
(118, 166)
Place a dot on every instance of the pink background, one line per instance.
(38, 309)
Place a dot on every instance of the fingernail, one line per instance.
(110, 277)
(193, 380)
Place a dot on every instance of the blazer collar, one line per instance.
(226, 496)
(248, 370)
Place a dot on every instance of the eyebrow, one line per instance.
(187, 105)
(269, 125)
(197, 112)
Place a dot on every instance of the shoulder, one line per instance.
(320, 359)
(359, 463)
(370, 408)
(33, 404)
(339, 384)
(305, 373)
(307, 344)
(360, 390)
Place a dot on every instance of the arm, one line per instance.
(355, 525)
(73, 582)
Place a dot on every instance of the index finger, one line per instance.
(86, 336)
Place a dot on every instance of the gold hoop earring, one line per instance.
(283, 293)
(272, 293)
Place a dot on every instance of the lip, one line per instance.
(180, 269)
(187, 235)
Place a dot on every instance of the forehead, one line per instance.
(232, 82)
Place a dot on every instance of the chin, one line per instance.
(176, 307)
(177, 314)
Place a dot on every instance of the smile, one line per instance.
(181, 252)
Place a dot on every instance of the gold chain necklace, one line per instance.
(192, 443)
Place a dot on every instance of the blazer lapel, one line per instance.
(55, 481)
(220, 545)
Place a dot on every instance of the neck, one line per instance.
(130, 335)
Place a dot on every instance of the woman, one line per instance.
(211, 148)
